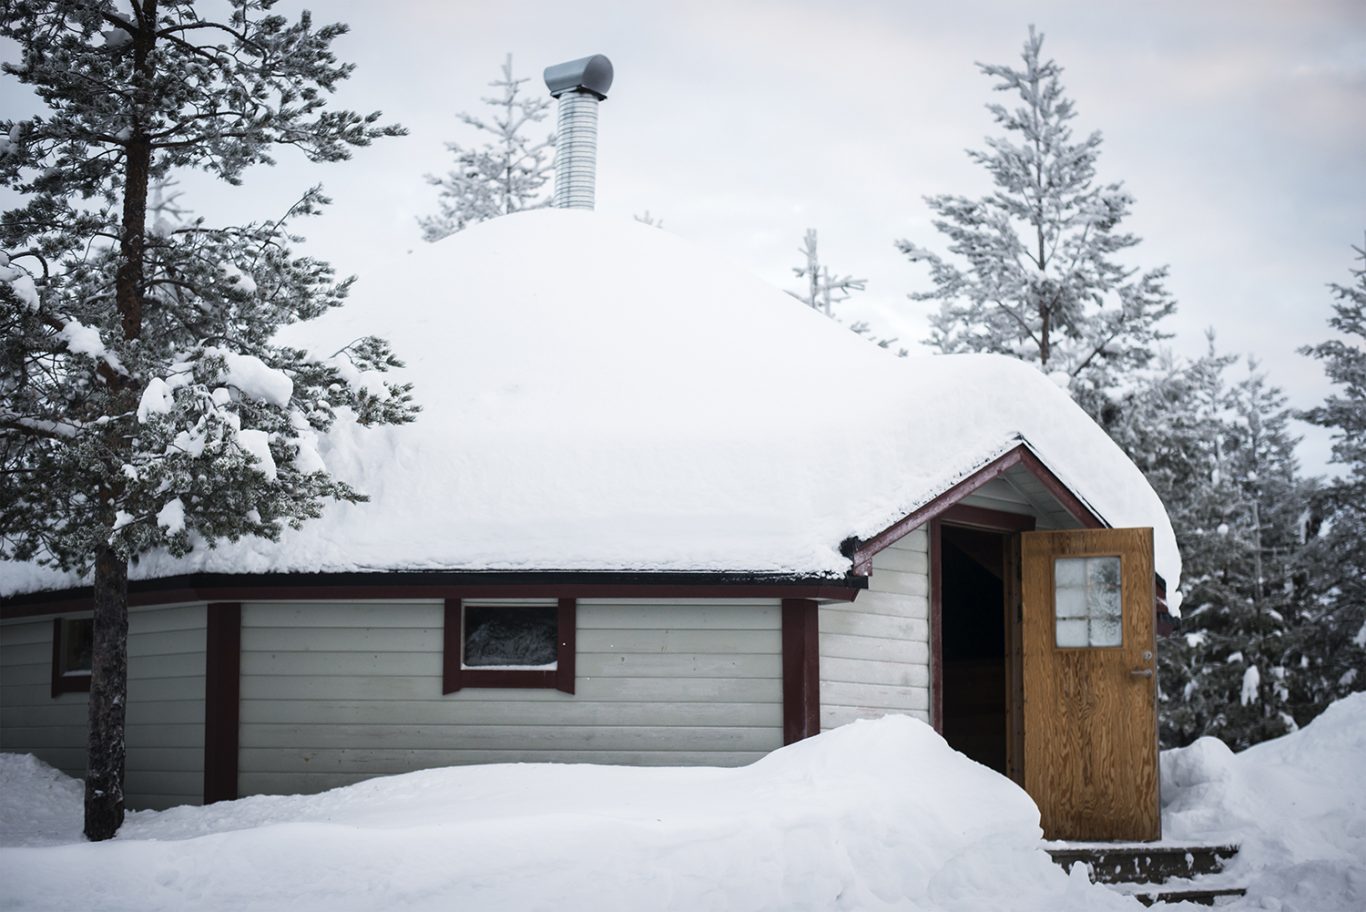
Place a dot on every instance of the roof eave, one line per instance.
(442, 584)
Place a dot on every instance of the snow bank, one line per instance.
(1296, 805)
(38, 804)
(875, 815)
(601, 395)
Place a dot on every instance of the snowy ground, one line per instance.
(876, 815)
(1297, 805)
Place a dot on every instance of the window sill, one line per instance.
(70, 683)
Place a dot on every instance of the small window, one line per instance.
(1087, 601)
(506, 643)
(510, 636)
(73, 643)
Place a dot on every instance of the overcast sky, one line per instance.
(1239, 128)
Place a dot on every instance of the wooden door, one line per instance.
(1090, 683)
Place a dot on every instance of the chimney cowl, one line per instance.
(588, 74)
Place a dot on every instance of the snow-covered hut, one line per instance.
(653, 512)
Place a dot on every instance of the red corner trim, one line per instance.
(222, 699)
(801, 670)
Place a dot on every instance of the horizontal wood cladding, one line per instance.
(356, 738)
(331, 693)
(877, 649)
(509, 711)
(183, 736)
(891, 604)
(838, 620)
(165, 721)
(330, 769)
(441, 585)
(874, 653)
(1002, 491)
(876, 672)
(260, 764)
(601, 689)
(883, 698)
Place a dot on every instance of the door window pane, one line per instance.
(1072, 633)
(1087, 608)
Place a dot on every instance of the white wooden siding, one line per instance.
(875, 654)
(165, 722)
(999, 494)
(1018, 491)
(335, 692)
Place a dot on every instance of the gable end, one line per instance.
(1021, 455)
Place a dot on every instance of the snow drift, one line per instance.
(1295, 804)
(874, 815)
(602, 395)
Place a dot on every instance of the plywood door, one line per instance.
(1090, 704)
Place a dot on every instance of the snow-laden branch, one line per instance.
(40, 427)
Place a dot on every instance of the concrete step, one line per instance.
(1141, 863)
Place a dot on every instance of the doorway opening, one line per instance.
(974, 652)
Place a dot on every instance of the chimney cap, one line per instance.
(588, 74)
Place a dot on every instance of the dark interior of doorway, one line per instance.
(973, 643)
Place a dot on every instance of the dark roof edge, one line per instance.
(413, 584)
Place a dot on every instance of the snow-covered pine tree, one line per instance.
(1229, 477)
(1333, 637)
(144, 403)
(504, 175)
(824, 292)
(1037, 274)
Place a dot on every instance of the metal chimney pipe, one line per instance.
(579, 85)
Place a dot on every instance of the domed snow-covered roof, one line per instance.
(603, 395)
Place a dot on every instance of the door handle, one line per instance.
(1141, 673)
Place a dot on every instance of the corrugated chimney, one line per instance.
(579, 85)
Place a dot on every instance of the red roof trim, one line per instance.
(1019, 455)
(226, 587)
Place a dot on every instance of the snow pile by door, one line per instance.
(1296, 805)
(875, 815)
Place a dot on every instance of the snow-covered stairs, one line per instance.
(1156, 874)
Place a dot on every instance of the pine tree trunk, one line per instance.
(108, 697)
(109, 660)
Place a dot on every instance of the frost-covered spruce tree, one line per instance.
(145, 405)
(504, 175)
(1035, 271)
(1333, 638)
(1237, 505)
(824, 292)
